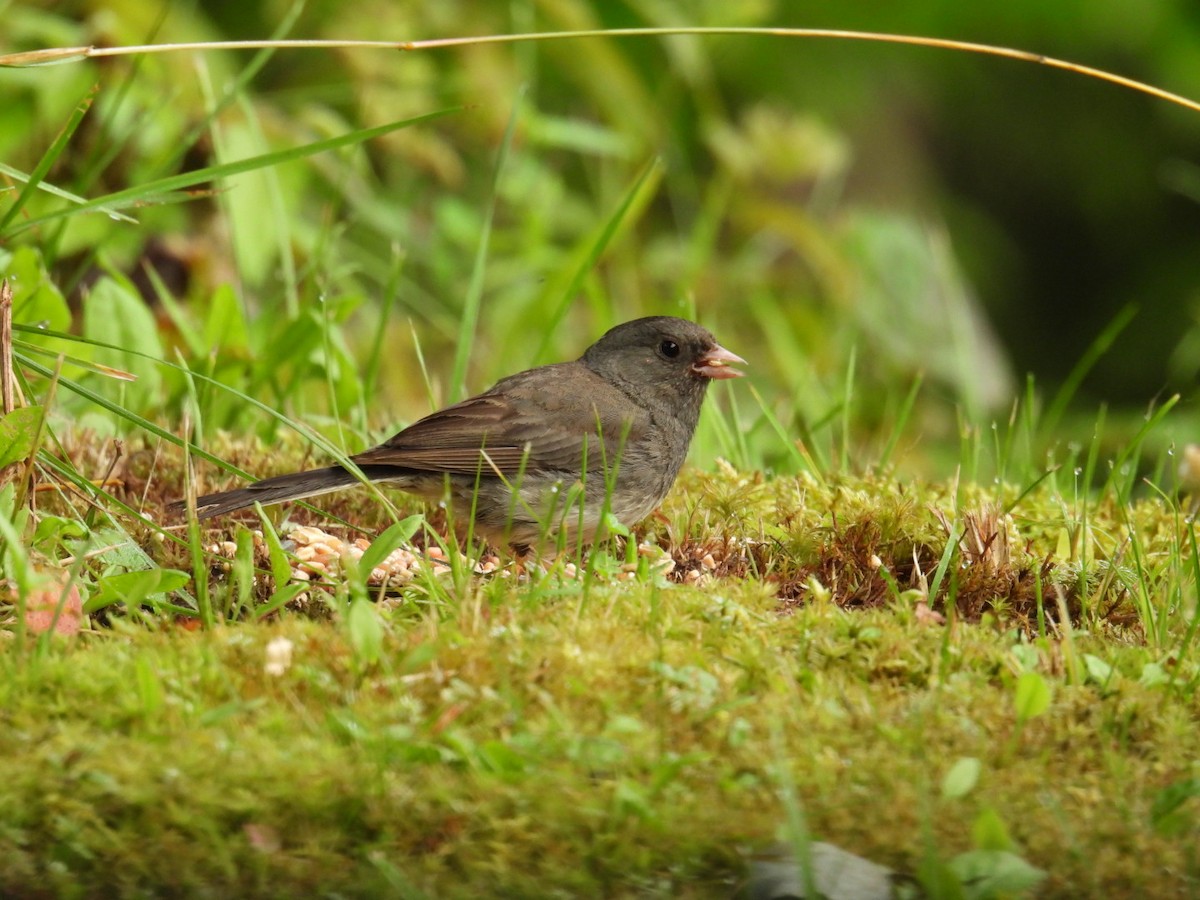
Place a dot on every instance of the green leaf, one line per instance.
(1032, 696)
(1153, 674)
(13, 553)
(366, 632)
(1098, 670)
(149, 688)
(281, 567)
(135, 588)
(1062, 549)
(52, 533)
(418, 657)
(392, 537)
(498, 757)
(577, 135)
(242, 572)
(225, 327)
(962, 777)
(614, 526)
(1167, 812)
(36, 298)
(119, 551)
(247, 202)
(1027, 656)
(278, 600)
(995, 872)
(989, 831)
(940, 880)
(115, 314)
(18, 432)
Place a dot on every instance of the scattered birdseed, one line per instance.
(319, 556)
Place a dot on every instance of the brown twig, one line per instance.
(66, 54)
(6, 369)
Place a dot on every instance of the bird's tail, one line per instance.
(296, 486)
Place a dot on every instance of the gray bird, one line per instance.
(544, 453)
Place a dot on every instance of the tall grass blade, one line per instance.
(848, 408)
(165, 188)
(390, 295)
(470, 313)
(797, 448)
(232, 91)
(49, 157)
(902, 417)
(591, 255)
(1133, 449)
(1091, 356)
(119, 129)
(130, 416)
(54, 191)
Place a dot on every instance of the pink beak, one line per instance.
(715, 363)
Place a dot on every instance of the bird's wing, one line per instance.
(538, 420)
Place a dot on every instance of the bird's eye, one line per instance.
(669, 349)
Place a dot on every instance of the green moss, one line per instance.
(612, 739)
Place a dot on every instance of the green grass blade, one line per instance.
(176, 313)
(49, 157)
(284, 228)
(232, 91)
(1134, 447)
(1091, 356)
(64, 470)
(388, 300)
(593, 253)
(391, 539)
(902, 417)
(55, 191)
(470, 313)
(797, 449)
(165, 187)
(1183, 652)
(1029, 490)
(88, 365)
(939, 574)
(848, 408)
(126, 414)
(183, 370)
(112, 123)
(336, 453)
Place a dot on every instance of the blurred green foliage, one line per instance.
(920, 213)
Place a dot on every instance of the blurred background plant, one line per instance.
(855, 219)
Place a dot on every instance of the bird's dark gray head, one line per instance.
(662, 359)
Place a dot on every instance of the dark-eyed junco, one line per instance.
(546, 452)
